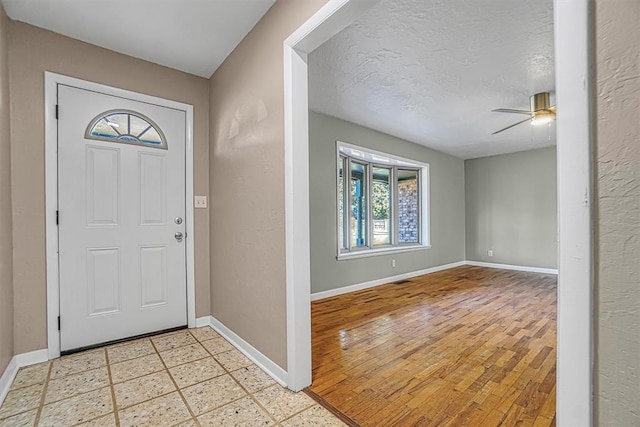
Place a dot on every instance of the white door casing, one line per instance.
(572, 36)
(122, 271)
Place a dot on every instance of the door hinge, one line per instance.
(57, 217)
(56, 111)
(58, 322)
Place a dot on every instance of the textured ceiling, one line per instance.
(194, 36)
(432, 71)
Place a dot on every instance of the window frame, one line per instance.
(164, 145)
(345, 153)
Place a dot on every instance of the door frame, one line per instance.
(573, 32)
(51, 81)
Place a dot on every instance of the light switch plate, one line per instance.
(200, 202)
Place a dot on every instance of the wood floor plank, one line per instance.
(466, 346)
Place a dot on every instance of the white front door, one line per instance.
(121, 203)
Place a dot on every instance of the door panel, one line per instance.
(102, 185)
(153, 275)
(122, 271)
(103, 280)
(153, 189)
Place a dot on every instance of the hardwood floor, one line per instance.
(466, 346)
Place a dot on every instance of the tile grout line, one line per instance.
(184, 400)
(112, 389)
(249, 394)
(146, 400)
(44, 393)
(209, 353)
(90, 391)
(156, 372)
(227, 372)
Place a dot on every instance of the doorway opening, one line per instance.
(571, 39)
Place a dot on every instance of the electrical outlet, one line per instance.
(200, 202)
(490, 252)
(393, 263)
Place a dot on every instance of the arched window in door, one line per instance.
(126, 127)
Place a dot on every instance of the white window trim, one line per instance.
(366, 253)
(375, 157)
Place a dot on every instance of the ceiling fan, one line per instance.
(540, 112)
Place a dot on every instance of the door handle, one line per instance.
(179, 236)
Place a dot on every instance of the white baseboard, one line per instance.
(266, 364)
(513, 267)
(357, 287)
(203, 321)
(7, 378)
(19, 361)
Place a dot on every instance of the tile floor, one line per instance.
(186, 378)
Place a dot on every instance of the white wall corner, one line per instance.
(263, 362)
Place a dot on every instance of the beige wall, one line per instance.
(511, 208)
(618, 216)
(446, 212)
(247, 182)
(6, 241)
(33, 51)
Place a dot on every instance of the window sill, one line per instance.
(382, 251)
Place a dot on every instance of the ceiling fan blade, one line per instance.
(508, 110)
(509, 127)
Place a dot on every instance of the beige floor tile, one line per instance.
(77, 409)
(143, 388)
(21, 420)
(217, 345)
(80, 362)
(134, 368)
(282, 403)
(21, 400)
(163, 411)
(173, 340)
(130, 351)
(212, 394)
(243, 412)
(314, 416)
(203, 334)
(108, 420)
(30, 375)
(181, 355)
(232, 360)
(189, 423)
(71, 385)
(195, 372)
(253, 378)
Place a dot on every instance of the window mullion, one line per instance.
(419, 190)
(392, 205)
(347, 189)
(369, 205)
(395, 205)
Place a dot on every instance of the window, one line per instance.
(126, 127)
(381, 201)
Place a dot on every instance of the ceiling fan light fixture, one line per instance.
(541, 112)
(542, 118)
